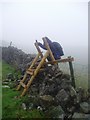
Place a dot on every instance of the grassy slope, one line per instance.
(11, 106)
(6, 68)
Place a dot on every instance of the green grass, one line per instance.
(6, 68)
(11, 106)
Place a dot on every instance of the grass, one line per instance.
(6, 68)
(11, 106)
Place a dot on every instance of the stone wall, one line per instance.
(16, 57)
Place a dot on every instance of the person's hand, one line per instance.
(37, 42)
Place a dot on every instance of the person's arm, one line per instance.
(42, 46)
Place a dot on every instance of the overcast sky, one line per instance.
(64, 22)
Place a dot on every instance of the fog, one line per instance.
(64, 22)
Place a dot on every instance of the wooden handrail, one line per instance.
(36, 44)
(48, 48)
(59, 60)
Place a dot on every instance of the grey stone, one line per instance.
(30, 106)
(24, 106)
(39, 108)
(47, 98)
(81, 116)
(5, 86)
(56, 112)
(85, 107)
(10, 76)
(62, 96)
(4, 83)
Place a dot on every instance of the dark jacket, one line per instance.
(55, 48)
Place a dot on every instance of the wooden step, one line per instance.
(22, 84)
(30, 72)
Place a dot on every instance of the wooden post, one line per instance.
(48, 48)
(36, 44)
(60, 60)
(72, 72)
(39, 50)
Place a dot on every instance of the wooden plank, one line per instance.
(30, 72)
(59, 60)
(23, 85)
(36, 44)
(48, 48)
(39, 50)
(19, 86)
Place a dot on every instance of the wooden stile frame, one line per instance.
(34, 72)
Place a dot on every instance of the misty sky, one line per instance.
(64, 22)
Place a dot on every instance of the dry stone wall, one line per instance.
(16, 57)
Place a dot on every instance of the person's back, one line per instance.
(55, 48)
(58, 47)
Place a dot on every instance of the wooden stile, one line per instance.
(41, 65)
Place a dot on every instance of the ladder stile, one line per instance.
(35, 59)
(38, 66)
(19, 86)
(35, 73)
